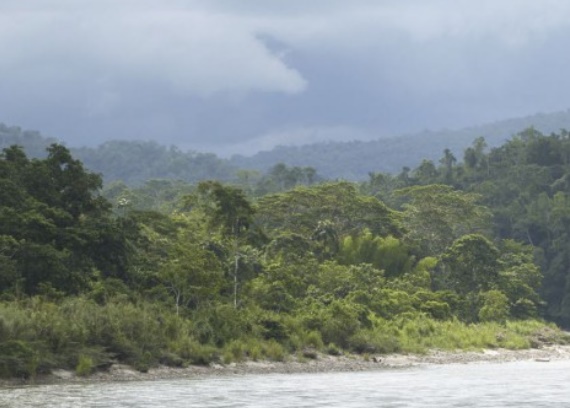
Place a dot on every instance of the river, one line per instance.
(517, 384)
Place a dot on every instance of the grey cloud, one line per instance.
(238, 75)
(289, 137)
(189, 51)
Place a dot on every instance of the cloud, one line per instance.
(349, 24)
(189, 51)
(240, 75)
(288, 137)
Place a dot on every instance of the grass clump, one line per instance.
(314, 339)
(333, 350)
(194, 352)
(85, 366)
(374, 341)
(18, 359)
(236, 350)
(274, 351)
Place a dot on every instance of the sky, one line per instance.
(229, 76)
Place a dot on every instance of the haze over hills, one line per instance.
(355, 159)
(137, 161)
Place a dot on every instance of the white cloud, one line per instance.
(355, 24)
(208, 47)
(190, 51)
(288, 137)
(208, 69)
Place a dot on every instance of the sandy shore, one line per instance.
(323, 363)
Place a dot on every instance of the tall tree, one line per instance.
(471, 264)
(435, 215)
(64, 228)
(304, 210)
(229, 210)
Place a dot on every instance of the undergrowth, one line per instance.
(81, 335)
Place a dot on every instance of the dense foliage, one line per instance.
(353, 160)
(525, 186)
(134, 162)
(226, 273)
(55, 231)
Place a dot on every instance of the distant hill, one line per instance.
(130, 161)
(354, 160)
(137, 161)
(32, 141)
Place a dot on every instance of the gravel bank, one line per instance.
(323, 363)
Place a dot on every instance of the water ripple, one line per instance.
(522, 384)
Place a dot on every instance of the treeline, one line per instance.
(223, 273)
(353, 160)
(135, 162)
(525, 183)
(132, 162)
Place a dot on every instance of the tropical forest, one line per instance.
(466, 252)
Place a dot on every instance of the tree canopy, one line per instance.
(177, 273)
(56, 229)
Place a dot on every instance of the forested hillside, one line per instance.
(33, 142)
(215, 272)
(526, 185)
(354, 160)
(134, 162)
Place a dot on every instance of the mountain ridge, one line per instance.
(137, 161)
(391, 154)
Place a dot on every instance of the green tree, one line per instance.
(191, 273)
(471, 264)
(64, 228)
(495, 307)
(385, 253)
(228, 210)
(436, 215)
(447, 161)
(339, 205)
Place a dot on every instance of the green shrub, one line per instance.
(314, 339)
(437, 310)
(295, 342)
(524, 309)
(333, 350)
(237, 349)
(254, 351)
(369, 341)
(194, 352)
(274, 351)
(495, 307)
(227, 357)
(171, 359)
(145, 362)
(273, 328)
(341, 321)
(18, 359)
(84, 366)
(222, 324)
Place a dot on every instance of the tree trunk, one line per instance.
(236, 268)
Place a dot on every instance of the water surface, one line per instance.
(519, 384)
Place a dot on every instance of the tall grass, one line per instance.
(421, 334)
(37, 335)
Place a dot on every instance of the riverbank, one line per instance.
(322, 363)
